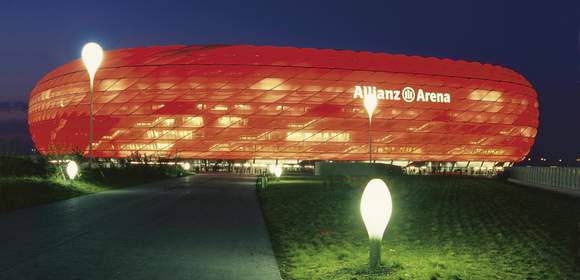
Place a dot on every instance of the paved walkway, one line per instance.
(198, 227)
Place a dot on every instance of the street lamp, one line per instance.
(376, 208)
(72, 169)
(370, 102)
(92, 56)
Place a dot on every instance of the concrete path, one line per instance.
(198, 227)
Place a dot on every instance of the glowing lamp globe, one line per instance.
(272, 169)
(376, 208)
(186, 166)
(370, 102)
(278, 170)
(72, 169)
(92, 56)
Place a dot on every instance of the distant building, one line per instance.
(250, 102)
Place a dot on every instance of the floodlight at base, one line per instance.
(272, 169)
(186, 166)
(376, 208)
(72, 169)
(278, 170)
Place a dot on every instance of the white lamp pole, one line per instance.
(370, 102)
(376, 207)
(92, 56)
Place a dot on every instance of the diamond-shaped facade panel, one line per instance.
(244, 102)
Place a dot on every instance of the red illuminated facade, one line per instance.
(246, 102)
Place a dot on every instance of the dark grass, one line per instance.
(26, 191)
(441, 228)
(21, 192)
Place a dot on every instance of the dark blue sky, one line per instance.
(540, 40)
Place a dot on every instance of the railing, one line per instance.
(553, 177)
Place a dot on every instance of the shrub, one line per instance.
(23, 166)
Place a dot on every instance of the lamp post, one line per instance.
(370, 102)
(92, 56)
(376, 208)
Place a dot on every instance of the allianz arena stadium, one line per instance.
(261, 102)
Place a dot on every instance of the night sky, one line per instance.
(539, 39)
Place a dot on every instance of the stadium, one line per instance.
(282, 103)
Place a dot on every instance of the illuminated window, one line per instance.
(267, 84)
(169, 134)
(492, 96)
(220, 108)
(152, 134)
(45, 95)
(155, 146)
(115, 134)
(242, 107)
(193, 121)
(220, 148)
(148, 124)
(325, 136)
(300, 125)
(231, 121)
(167, 122)
(157, 106)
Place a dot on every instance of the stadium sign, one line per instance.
(407, 94)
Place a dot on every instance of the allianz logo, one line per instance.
(407, 94)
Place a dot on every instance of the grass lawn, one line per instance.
(26, 191)
(441, 228)
(19, 192)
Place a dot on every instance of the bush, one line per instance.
(26, 182)
(130, 174)
(39, 166)
(23, 166)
